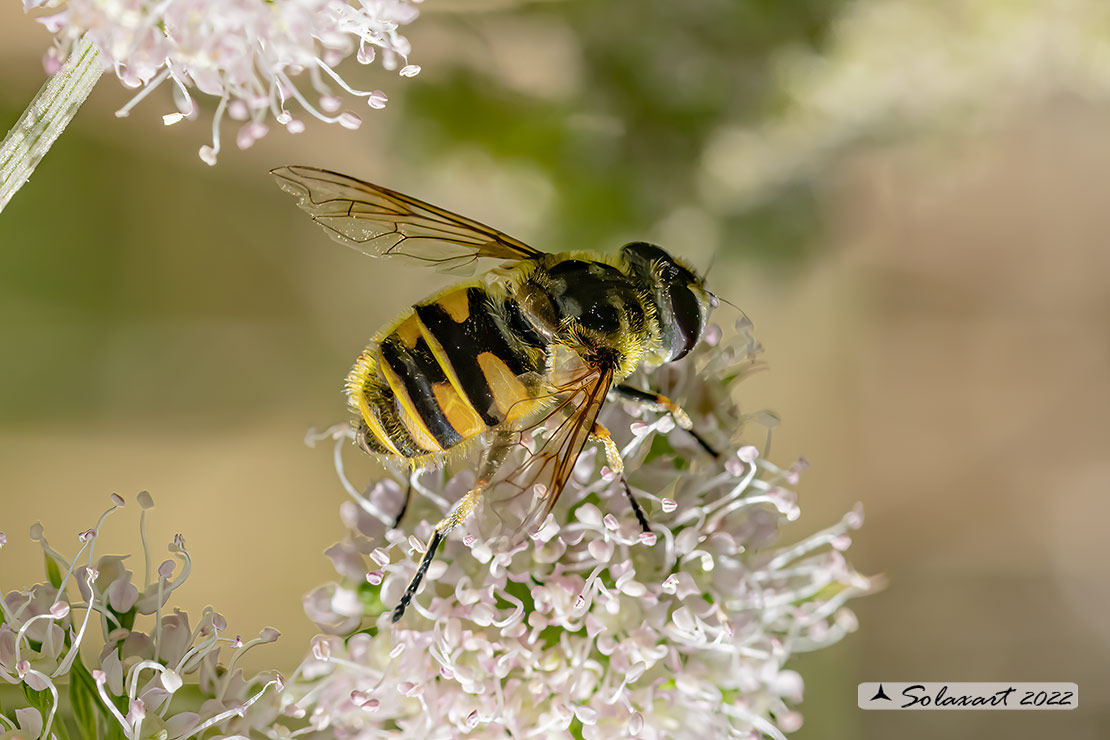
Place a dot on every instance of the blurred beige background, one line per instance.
(940, 351)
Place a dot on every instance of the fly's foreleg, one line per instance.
(659, 402)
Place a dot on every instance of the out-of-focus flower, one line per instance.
(592, 626)
(246, 53)
(136, 674)
(894, 66)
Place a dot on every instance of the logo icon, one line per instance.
(880, 694)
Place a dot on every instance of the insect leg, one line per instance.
(494, 456)
(404, 506)
(659, 402)
(613, 455)
(429, 554)
(635, 504)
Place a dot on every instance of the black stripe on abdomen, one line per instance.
(463, 341)
(419, 372)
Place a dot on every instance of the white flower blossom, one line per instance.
(137, 673)
(246, 53)
(592, 626)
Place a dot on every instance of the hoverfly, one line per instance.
(536, 345)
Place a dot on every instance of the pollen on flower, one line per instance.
(250, 55)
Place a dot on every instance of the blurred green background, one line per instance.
(908, 198)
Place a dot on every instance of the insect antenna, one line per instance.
(744, 322)
(712, 261)
(730, 303)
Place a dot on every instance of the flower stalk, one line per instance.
(47, 116)
(259, 61)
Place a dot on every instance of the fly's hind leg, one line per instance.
(659, 402)
(458, 514)
(429, 554)
(613, 456)
(491, 461)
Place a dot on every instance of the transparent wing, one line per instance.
(382, 222)
(522, 496)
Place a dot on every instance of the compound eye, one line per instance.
(687, 317)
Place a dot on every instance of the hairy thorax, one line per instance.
(593, 308)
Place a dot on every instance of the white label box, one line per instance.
(943, 695)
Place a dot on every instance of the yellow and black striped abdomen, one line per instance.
(447, 370)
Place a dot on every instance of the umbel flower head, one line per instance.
(129, 685)
(592, 627)
(246, 53)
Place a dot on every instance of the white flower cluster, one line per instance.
(244, 52)
(137, 676)
(595, 628)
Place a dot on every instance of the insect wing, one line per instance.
(526, 493)
(382, 222)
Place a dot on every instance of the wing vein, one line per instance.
(382, 222)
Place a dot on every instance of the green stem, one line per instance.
(46, 117)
